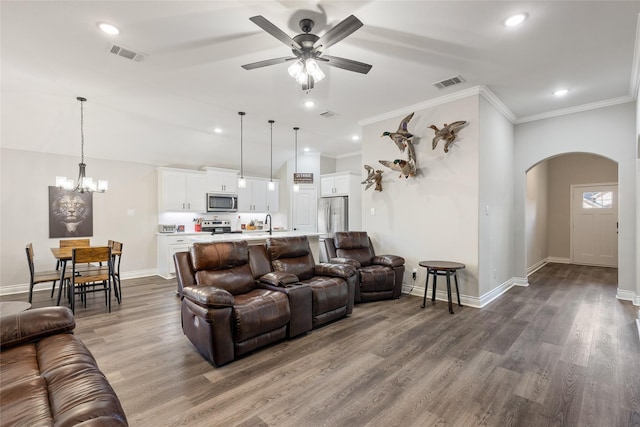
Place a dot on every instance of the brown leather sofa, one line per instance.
(226, 312)
(332, 285)
(49, 377)
(379, 277)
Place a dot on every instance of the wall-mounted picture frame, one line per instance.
(70, 213)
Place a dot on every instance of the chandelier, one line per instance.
(85, 184)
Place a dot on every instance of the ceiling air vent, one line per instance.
(328, 114)
(124, 52)
(449, 82)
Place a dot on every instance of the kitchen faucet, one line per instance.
(270, 221)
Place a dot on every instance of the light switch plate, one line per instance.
(373, 211)
(131, 212)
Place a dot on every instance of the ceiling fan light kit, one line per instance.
(309, 48)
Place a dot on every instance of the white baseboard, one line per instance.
(624, 295)
(558, 260)
(24, 287)
(537, 266)
(470, 301)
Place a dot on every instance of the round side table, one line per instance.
(441, 268)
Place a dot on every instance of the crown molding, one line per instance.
(461, 94)
(576, 109)
(352, 154)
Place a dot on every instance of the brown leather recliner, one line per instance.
(49, 377)
(332, 285)
(224, 313)
(380, 277)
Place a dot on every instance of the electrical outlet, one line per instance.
(414, 273)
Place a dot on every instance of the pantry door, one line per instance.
(594, 232)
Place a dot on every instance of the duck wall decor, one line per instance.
(402, 136)
(373, 177)
(448, 133)
(402, 139)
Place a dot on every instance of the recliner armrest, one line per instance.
(334, 270)
(343, 260)
(208, 296)
(35, 324)
(279, 278)
(388, 260)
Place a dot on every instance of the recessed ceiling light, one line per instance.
(217, 130)
(561, 92)
(108, 28)
(309, 103)
(307, 149)
(515, 20)
(355, 138)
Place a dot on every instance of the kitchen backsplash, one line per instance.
(236, 219)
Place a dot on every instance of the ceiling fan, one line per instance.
(309, 50)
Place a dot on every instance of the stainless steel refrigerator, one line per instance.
(333, 215)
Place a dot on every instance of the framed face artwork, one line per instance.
(70, 213)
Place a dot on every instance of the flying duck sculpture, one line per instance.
(402, 136)
(405, 167)
(448, 133)
(373, 177)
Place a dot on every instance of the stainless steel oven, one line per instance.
(222, 202)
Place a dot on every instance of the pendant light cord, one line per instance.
(296, 129)
(82, 100)
(241, 113)
(271, 122)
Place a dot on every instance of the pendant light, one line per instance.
(242, 183)
(296, 186)
(272, 185)
(85, 183)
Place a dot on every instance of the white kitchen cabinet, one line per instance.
(336, 184)
(221, 180)
(273, 197)
(345, 184)
(181, 190)
(167, 246)
(256, 197)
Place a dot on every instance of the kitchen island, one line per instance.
(170, 243)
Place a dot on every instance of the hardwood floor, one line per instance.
(563, 351)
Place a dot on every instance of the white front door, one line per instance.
(594, 233)
(305, 210)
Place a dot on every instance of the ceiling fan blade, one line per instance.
(346, 64)
(276, 32)
(337, 33)
(268, 62)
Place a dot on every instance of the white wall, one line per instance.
(26, 177)
(536, 214)
(434, 215)
(352, 163)
(609, 132)
(565, 171)
(495, 214)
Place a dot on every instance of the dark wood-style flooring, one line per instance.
(561, 352)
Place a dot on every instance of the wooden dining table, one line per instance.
(66, 254)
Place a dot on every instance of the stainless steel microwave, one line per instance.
(222, 202)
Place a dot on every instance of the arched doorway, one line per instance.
(551, 187)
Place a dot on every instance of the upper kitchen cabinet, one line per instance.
(181, 190)
(221, 180)
(256, 197)
(339, 184)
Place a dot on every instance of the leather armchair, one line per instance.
(379, 276)
(332, 285)
(224, 313)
